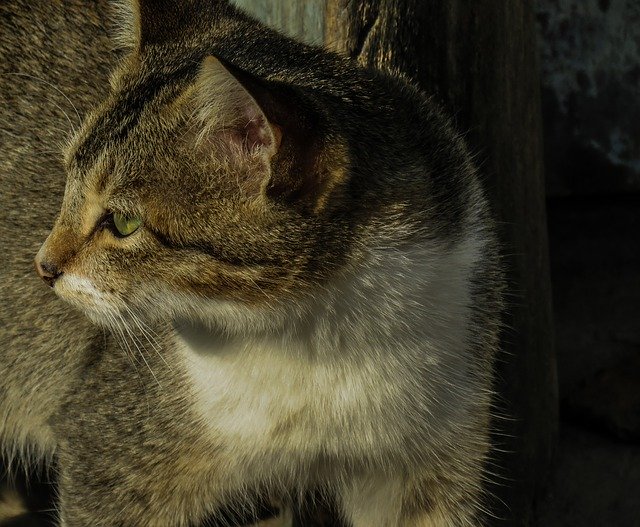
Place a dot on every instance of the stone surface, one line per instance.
(591, 84)
(595, 270)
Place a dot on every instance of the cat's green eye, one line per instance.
(126, 225)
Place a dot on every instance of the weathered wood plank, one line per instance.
(302, 19)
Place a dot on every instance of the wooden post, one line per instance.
(302, 19)
(480, 59)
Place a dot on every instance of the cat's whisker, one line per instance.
(148, 334)
(118, 336)
(140, 324)
(123, 345)
(47, 152)
(260, 288)
(28, 142)
(151, 337)
(138, 346)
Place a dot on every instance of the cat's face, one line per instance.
(182, 194)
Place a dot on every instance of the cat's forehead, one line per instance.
(142, 159)
(137, 117)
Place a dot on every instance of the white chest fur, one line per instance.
(256, 390)
(385, 365)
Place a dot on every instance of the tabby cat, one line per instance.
(288, 274)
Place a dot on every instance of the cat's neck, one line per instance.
(394, 296)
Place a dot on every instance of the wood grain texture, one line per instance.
(302, 19)
(480, 59)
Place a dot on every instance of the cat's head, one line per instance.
(196, 183)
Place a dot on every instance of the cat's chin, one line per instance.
(81, 293)
(105, 318)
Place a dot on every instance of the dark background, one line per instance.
(590, 51)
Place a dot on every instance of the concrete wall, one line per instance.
(591, 94)
(591, 101)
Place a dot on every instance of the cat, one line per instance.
(287, 268)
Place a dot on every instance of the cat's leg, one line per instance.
(445, 504)
(157, 481)
(135, 491)
(372, 502)
(385, 501)
(156, 496)
(133, 453)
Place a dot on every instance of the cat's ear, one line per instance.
(272, 128)
(127, 30)
(230, 115)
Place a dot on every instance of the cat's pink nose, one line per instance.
(47, 271)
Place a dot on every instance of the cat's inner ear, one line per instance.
(272, 133)
(230, 115)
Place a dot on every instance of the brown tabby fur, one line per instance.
(311, 303)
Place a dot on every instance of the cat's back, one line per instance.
(54, 59)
